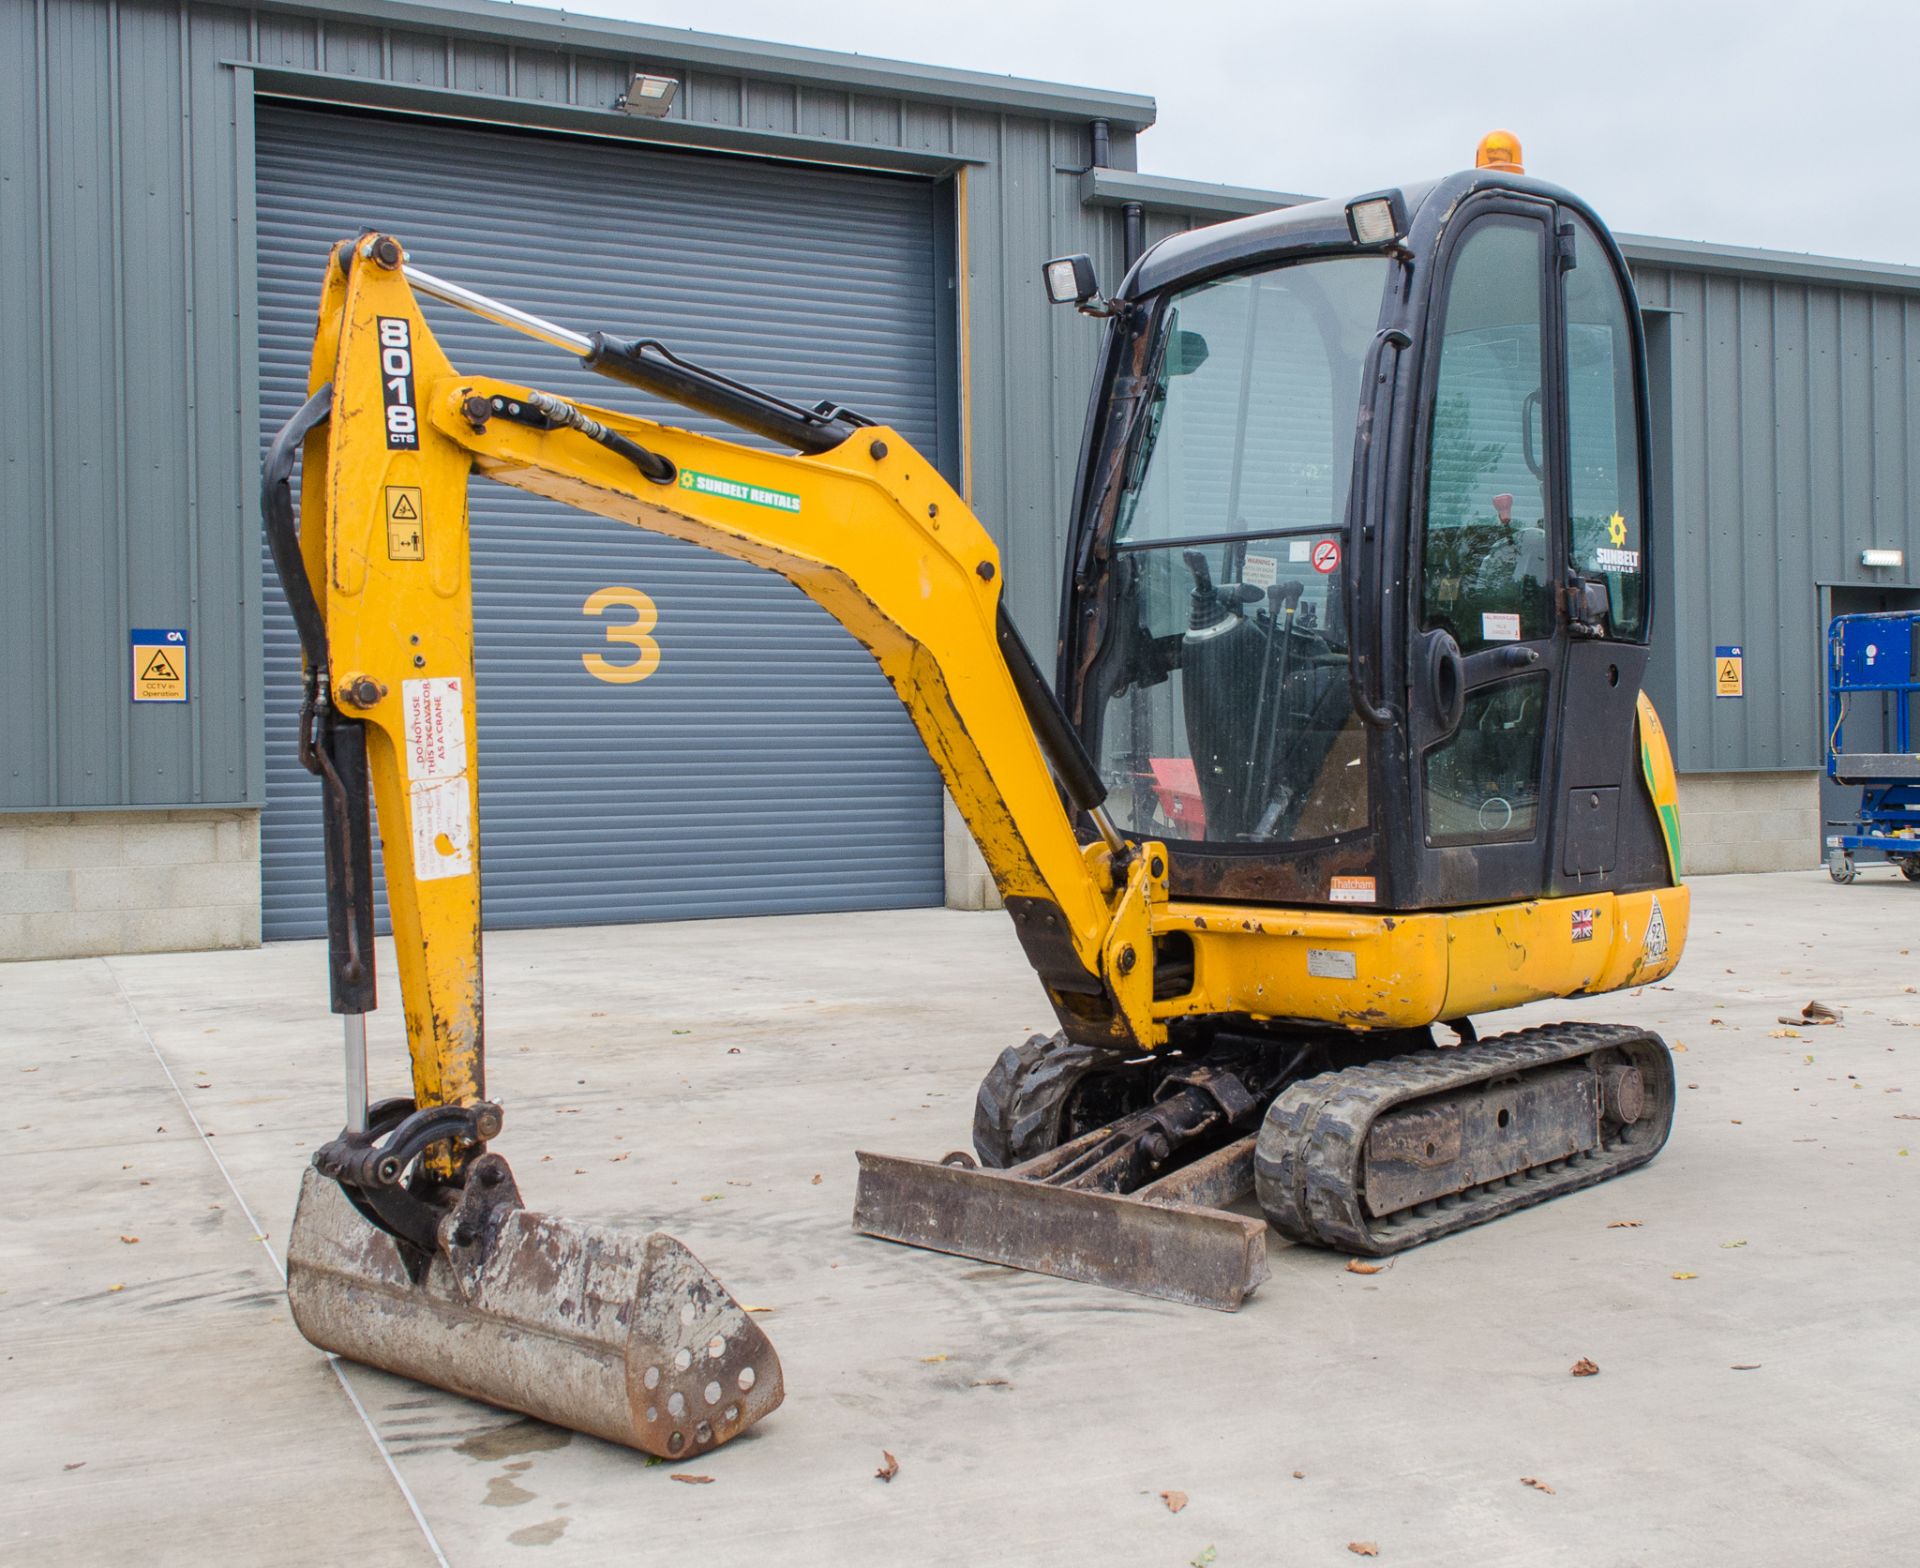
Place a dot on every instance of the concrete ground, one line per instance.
(1756, 1401)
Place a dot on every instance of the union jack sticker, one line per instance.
(1583, 925)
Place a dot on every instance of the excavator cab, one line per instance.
(1358, 599)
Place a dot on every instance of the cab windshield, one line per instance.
(1221, 700)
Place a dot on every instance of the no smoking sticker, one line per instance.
(1326, 555)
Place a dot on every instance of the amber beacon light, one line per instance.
(1499, 150)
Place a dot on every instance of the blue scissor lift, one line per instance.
(1873, 667)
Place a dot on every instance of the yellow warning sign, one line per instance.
(1729, 671)
(404, 539)
(159, 664)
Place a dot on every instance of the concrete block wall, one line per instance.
(81, 883)
(1749, 821)
(969, 883)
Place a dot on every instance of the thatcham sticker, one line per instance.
(735, 490)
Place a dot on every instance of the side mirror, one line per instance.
(1070, 280)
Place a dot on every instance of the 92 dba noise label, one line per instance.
(396, 383)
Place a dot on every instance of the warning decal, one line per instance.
(436, 729)
(1326, 555)
(159, 664)
(442, 828)
(405, 542)
(439, 791)
(1729, 671)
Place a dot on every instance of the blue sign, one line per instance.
(159, 663)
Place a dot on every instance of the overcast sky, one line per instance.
(1788, 125)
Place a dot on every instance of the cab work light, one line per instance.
(1376, 220)
(1070, 280)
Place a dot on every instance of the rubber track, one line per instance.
(1310, 1158)
(1016, 1113)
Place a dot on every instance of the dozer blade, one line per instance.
(1147, 1242)
(623, 1336)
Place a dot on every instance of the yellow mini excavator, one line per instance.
(1346, 742)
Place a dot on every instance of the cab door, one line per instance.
(1489, 636)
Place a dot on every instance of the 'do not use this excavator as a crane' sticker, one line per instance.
(1345, 744)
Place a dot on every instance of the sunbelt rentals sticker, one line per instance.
(738, 490)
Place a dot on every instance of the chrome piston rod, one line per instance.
(498, 312)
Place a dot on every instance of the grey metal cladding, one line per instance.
(120, 484)
(766, 766)
(129, 465)
(1795, 420)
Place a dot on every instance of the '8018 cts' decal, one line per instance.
(396, 383)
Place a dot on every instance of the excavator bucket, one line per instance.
(619, 1334)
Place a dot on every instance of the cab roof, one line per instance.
(1316, 227)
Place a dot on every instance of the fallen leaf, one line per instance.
(1175, 1501)
(889, 1467)
(1625, 1224)
(1745, 1366)
(1809, 1061)
(654, 1459)
(1905, 1116)
(1537, 1484)
(691, 1480)
(112, 1288)
(617, 1158)
(1693, 1086)
(1736, 1121)
(1355, 1266)
(733, 1050)
(711, 1197)
(130, 1240)
(1678, 1046)
(989, 1382)
(816, 1179)
(756, 1309)
(683, 1031)
(930, 1359)
(1783, 1034)
(1364, 1548)
(1584, 1368)
(1299, 1475)
(1684, 1275)
(1206, 1556)
(75, 1465)
(1731, 1244)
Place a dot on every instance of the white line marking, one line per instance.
(260, 1235)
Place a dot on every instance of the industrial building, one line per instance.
(826, 225)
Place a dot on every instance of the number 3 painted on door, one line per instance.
(637, 633)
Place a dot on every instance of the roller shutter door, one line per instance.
(766, 766)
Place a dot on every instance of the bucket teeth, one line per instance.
(621, 1335)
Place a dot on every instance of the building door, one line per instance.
(1868, 728)
(764, 766)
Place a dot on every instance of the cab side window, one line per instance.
(1487, 574)
(1608, 533)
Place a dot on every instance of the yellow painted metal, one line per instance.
(1663, 785)
(872, 533)
(401, 629)
(1406, 971)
